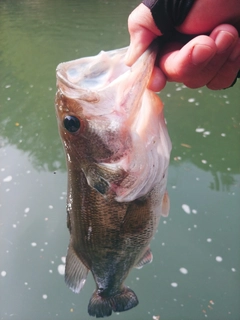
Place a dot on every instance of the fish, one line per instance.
(117, 154)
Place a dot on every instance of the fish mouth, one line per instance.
(92, 73)
(92, 77)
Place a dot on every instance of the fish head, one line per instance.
(99, 106)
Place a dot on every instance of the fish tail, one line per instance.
(100, 307)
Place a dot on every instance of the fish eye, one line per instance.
(72, 124)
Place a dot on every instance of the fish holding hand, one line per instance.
(117, 152)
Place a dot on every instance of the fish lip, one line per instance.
(63, 79)
(71, 90)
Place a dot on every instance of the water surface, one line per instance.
(195, 272)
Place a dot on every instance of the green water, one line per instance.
(196, 269)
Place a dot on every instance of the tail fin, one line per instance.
(100, 307)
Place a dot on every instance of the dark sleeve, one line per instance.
(168, 14)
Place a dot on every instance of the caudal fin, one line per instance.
(100, 307)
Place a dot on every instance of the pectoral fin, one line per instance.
(75, 272)
(100, 177)
(165, 205)
(146, 258)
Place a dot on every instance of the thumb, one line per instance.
(142, 31)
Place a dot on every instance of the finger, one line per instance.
(228, 72)
(142, 31)
(187, 64)
(225, 64)
(157, 81)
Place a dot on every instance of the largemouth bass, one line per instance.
(117, 152)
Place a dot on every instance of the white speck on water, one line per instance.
(50, 271)
(41, 250)
(228, 169)
(2, 169)
(8, 99)
(28, 171)
(223, 134)
(46, 243)
(227, 102)
(26, 210)
(209, 240)
(25, 283)
(189, 229)
(204, 161)
(165, 222)
(63, 259)
(233, 270)
(174, 187)
(183, 270)
(7, 179)
(200, 130)
(195, 226)
(178, 89)
(197, 179)
(169, 95)
(7, 86)
(174, 284)
(33, 244)
(44, 296)
(3, 273)
(191, 100)
(61, 269)
(219, 259)
(186, 208)
(50, 206)
(206, 133)
(163, 244)
(194, 211)
(137, 278)
(14, 226)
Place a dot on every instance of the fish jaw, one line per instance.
(103, 84)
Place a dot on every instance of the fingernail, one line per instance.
(201, 53)
(224, 40)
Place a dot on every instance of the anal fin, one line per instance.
(146, 258)
(75, 271)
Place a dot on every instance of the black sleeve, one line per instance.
(168, 14)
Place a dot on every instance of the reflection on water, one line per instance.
(195, 272)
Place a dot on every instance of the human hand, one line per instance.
(212, 60)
